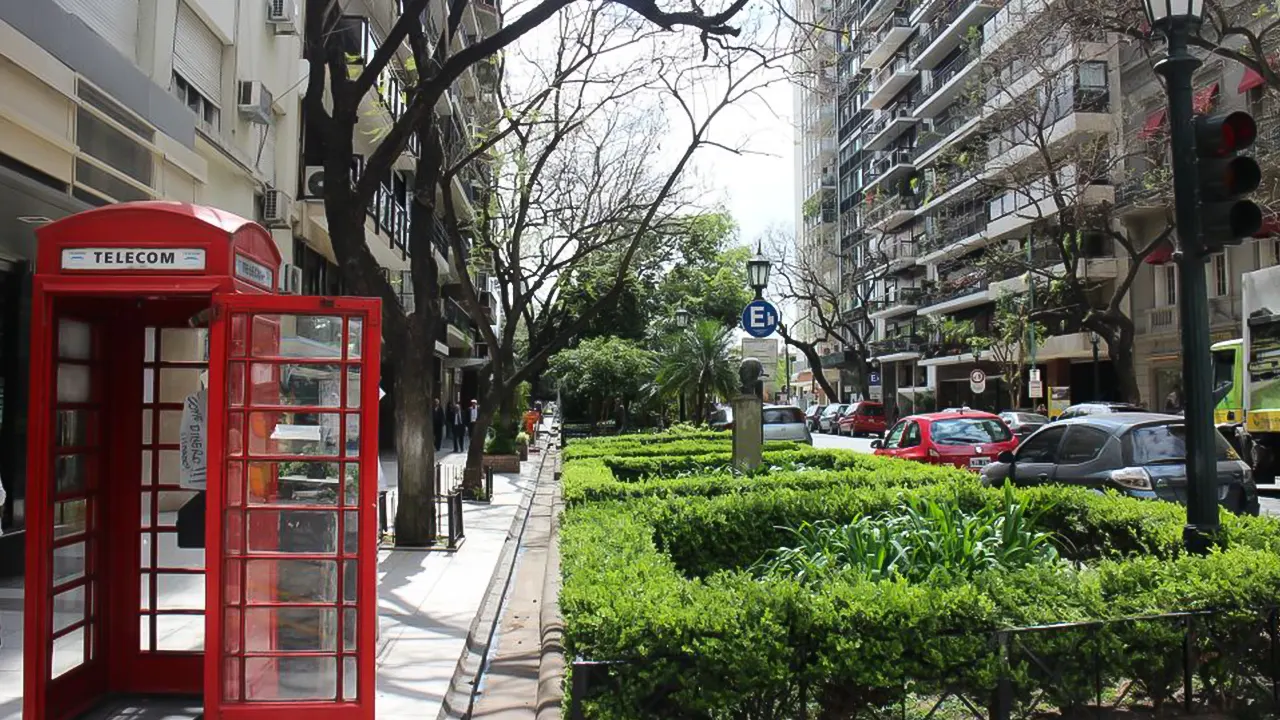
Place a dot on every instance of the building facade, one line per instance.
(195, 101)
(969, 131)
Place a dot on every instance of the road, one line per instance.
(1270, 506)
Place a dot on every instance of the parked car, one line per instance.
(811, 416)
(969, 439)
(865, 416)
(786, 422)
(830, 416)
(1142, 455)
(1023, 423)
(1100, 408)
(721, 418)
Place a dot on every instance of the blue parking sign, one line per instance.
(759, 318)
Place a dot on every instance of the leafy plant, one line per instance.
(923, 541)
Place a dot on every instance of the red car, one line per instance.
(863, 417)
(967, 439)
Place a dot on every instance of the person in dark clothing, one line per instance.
(437, 423)
(457, 418)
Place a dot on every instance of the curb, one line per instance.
(551, 670)
(459, 698)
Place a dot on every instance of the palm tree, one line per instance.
(701, 363)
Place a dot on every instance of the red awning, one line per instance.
(1270, 226)
(1203, 100)
(1161, 255)
(1154, 121)
(1252, 79)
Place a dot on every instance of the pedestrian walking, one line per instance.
(437, 423)
(457, 419)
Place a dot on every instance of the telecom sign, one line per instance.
(977, 381)
(759, 318)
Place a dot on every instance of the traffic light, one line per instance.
(1226, 216)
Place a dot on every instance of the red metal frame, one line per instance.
(120, 304)
(227, 653)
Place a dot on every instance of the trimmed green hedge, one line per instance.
(598, 480)
(659, 445)
(659, 583)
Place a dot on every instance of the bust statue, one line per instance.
(749, 373)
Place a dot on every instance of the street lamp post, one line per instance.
(1177, 19)
(758, 269)
(682, 321)
(1097, 384)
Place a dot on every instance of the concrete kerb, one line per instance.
(551, 670)
(461, 693)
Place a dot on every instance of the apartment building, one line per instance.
(817, 242)
(955, 119)
(195, 101)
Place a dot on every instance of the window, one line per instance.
(911, 438)
(1156, 444)
(207, 113)
(1083, 443)
(969, 431)
(1041, 447)
(895, 435)
(1093, 76)
(102, 141)
(1219, 281)
(1166, 285)
(783, 416)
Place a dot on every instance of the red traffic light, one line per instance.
(1220, 135)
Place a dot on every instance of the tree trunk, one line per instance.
(1120, 350)
(471, 478)
(815, 366)
(416, 522)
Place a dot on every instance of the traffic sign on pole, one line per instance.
(759, 318)
(977, 381)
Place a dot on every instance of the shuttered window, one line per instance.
(115, 20)
(197, 55)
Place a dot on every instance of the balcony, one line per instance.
(1162, 320)
(877, 10)
(895, 31)
(889, 213)
(954, 235)
(898, 301)
(458, 324)
(889, 81)
(943, 131)
(897, 347)
(889, 165)
(950, 28)
(898, 256)
(1147, 192)
(945, 84)
(962, 291)
(887, 125)
(1012, 221)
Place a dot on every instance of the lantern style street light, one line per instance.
(682, 318)
(758, 272)
(1177, 19)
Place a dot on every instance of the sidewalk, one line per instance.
(427, 602)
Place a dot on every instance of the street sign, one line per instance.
(759, 318)
(1035, 390)
(1035, 375)
(873, 378)
(977, 381)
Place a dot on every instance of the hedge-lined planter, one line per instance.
(659, 583)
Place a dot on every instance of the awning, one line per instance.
(1252, 78)
(1160, 255)
(1203, 100)
(1154, 121)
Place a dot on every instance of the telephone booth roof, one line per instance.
(181, 242)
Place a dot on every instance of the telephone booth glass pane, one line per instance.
(288, 515)
(175, 363)
(76, 466)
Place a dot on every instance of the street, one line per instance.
(1270, 506)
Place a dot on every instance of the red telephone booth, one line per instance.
(202, 476)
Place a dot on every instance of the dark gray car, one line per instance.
(1142, 455)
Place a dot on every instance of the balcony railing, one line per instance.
(900, 63)
(900, 19)
(883, 118)
(943, 129)
(903, 250)
(890, 158)
(884, 208)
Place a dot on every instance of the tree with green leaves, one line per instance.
(608, 374)
(567, 103)
(700, 364)
(1012, 341)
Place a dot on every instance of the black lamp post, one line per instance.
(1177, 19)
(1097, 384)
(682, 322)
(758, 269)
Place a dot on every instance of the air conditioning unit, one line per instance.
(313, 183)
(277, 207)
(254, 102)
(282, 15)
(291, 279)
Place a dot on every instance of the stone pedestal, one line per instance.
(748, 432)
